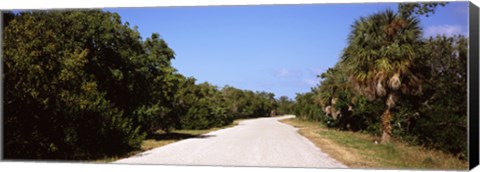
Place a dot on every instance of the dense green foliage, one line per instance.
(390, 80)
(65, 67)
(442, 108)
(285, 106)
(206, 109)
(82, 84)
(305, 108)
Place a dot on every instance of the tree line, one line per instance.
(82, 85)
(391, 81)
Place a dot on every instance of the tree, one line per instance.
(234, 100)
(306, 108)
(434, 101)
(334, 92)
(201, 106)
(82, 84)
(285, 105)
(407, 9)
(156, 84)
(380, 56)
(61, 69)
(7, 16)
(443, 105)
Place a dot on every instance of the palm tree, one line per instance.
(334, 81)
(380, 57)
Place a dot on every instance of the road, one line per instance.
(256, 142)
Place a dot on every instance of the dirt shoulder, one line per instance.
(358, 150)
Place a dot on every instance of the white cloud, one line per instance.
(447, 30)
(283, 72)
(292, 78)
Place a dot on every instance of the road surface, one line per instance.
(256, 142)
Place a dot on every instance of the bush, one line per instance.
(62, 85)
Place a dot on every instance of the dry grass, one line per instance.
(160, 138)
(358, 150)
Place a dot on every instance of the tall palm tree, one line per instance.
(380, 56)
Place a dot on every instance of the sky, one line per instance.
(274, 48)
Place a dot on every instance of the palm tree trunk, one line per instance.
(386, 127)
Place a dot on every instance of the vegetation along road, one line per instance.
(255, 142)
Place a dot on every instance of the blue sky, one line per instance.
(273, 48)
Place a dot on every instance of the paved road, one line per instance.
(255, 142)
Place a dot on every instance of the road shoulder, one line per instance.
(358, 150)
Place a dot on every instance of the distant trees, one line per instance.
(388, 68)
(82, 85)
(306, 107)
(247, 104)
(205, 108)
(285, 106)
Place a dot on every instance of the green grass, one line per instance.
(161, 138)
(359, 150)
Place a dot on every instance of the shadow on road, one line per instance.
(176, 136)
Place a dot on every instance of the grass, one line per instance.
(359, 150)
(161, 138)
